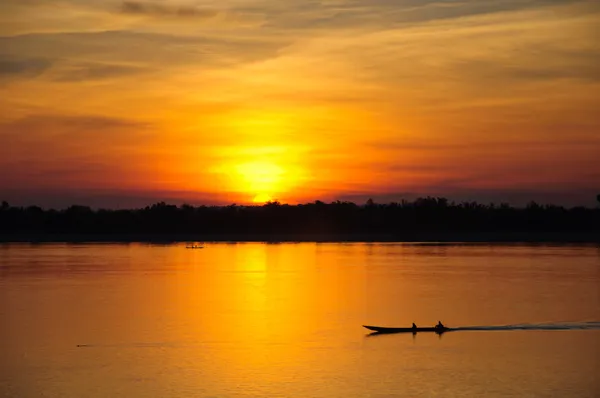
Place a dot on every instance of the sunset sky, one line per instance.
(125, 103)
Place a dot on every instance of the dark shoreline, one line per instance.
(431, 238)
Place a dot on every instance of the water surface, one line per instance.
(284, 320)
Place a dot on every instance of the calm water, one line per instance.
(265, 320)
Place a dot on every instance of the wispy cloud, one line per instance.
(166, 10)
(96, 71)
(454, 94)
(11, 66)
(143, 49)
(59, 150)
(68, 135)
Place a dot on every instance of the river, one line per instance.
(284, 320)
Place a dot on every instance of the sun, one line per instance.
(260, 174)
(261, 179)
(262, 198)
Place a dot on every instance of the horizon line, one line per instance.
(439, 201)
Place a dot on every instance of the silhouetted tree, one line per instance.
(404, 220)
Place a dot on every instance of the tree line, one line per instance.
(420, 217)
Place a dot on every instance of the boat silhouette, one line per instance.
(387, 330)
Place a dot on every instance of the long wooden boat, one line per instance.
(381, 329)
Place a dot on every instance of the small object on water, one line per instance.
(382, 330)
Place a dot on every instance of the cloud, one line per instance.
(48, 151)
(15, 66)
(523, 70)
(142, 48)
(385, 14)
(443, 88)
(511, 55)
(163, 10)
(85, 122)
(96, 71)
(76, 16)
(52, 135)
(39, 16)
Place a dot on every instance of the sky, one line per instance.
(126, 103)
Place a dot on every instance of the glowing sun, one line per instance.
(262, 198)
(262, 174)
(262, 178)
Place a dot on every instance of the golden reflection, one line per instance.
(268, 303)
(268, 293)
(250, 294)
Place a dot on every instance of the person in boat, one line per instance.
(414, 326)
(440, 325)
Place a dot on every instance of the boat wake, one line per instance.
(534, 326)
